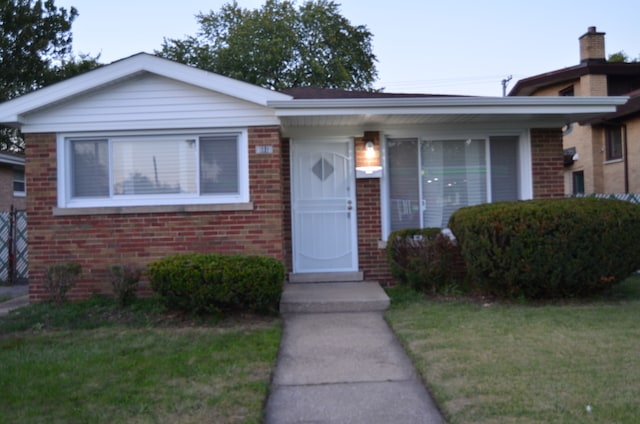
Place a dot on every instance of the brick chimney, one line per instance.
(592, 46)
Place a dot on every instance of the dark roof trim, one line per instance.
(311, 93)
(632, 107)
(527, 86)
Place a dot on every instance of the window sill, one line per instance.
(123, 210)
(611, 161)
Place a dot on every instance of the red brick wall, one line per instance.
(98, 242)
(547, 163)
(286, 212)
(372, 259)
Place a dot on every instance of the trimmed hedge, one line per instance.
(214, 283)
(554, 248)
(426, 259)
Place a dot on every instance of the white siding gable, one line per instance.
(148, 101)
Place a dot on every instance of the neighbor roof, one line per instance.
(528, 86)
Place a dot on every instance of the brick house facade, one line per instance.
(602, 154)
(332, 133)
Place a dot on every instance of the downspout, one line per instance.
(626, 159)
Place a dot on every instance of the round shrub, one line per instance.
(553, 248)
(213, 283)
(426, 259)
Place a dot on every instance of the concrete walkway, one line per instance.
(344, 365)
(18, 297)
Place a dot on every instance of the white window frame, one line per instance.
(65, 179)
(525, 189)
(20, 193)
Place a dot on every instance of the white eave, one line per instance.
(9, 159)
(11, 111)
(554, 111)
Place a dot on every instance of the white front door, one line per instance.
(323, 206)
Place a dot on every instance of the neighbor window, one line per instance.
(19, 185)
(567, 92)
(613, 141)
(147, 170)
(431, 179)
(578, 182)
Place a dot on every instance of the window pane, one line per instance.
(219, 164)
(154, 166)
(403, 183)
(578, 182)
(89, 168)
(454, 175)
(504, 168)
(614, 143)
(18, 181)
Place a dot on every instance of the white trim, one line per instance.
(447, 105)
(64, 173)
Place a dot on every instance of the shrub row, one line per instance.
(213, 283)
(549, 248)
(426, 259)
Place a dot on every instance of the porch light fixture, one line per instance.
(370, 167)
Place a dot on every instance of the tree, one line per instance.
(279, 46)
(35, 50)
(621, 57)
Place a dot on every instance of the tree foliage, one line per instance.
(280, 46)
(35, 50)
(621, 57)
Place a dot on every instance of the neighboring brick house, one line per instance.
(602, 155)
(146, 157)
(12, 182)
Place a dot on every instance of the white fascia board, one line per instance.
(448, 105)
(11, 111)
(151, 125)
(11, 159)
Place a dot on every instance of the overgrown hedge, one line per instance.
(216, 283)
(549, 248)
(426, 259)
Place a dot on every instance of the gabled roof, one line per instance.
(312, 107)
(528, 86)
(130, 67)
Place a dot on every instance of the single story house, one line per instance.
(145, 158)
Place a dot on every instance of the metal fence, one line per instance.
(13, 247)
(628, 197)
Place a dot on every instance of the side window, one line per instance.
(578, 182)
(613, 140)
(19, 184)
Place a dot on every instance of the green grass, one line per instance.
(94, 362)
(507, 363)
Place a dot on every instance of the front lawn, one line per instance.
(92, 362)
(506, 363)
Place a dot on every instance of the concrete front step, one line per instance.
(333, 297)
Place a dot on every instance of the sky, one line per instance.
(422, 46)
